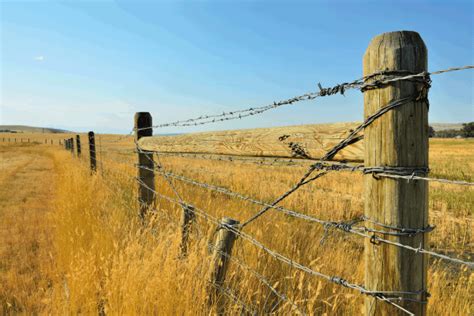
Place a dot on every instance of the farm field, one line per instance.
(71, 242)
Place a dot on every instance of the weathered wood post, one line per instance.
(397, 139)
(146, 165)
(71, 142)
(187, 219)
(220, 263)
(93, 160)
(78, 145)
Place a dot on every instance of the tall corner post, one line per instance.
(146, 175)
(92, 156)
(399, 138)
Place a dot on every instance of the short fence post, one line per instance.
(220, 262)
(187, 220)
(92, 155)
(146, 174)
(397, 139)
(51, 141)
(78, 145)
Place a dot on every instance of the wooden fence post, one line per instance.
(78, 145)
(146, 175)
(397, 139)
(187, 220)
(92, 155)
(220, 262)
(71, 142)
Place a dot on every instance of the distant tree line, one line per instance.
(466, 131)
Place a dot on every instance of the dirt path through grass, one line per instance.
(27, 179)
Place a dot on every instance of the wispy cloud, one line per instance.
(39, 58)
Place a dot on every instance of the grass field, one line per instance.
(71, 243)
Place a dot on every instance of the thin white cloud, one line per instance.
(39, 58)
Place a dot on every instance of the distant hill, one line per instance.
(446, 126)
(30, 129)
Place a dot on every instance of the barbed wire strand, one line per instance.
(414, 177)
(340, 88)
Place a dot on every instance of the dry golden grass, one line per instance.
(87, 251)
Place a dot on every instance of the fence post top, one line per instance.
(91, 133)
(229, 221)
(396, 39)
(143, 123)
(142, 113)
(143, 119)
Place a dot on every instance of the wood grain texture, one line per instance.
(398, 139)
(315, 140)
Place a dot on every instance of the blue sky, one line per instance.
(90, 65)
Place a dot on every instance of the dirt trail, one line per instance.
(27, 179)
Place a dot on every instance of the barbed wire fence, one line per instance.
(365, 227)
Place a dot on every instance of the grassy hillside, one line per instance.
(30, 129)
